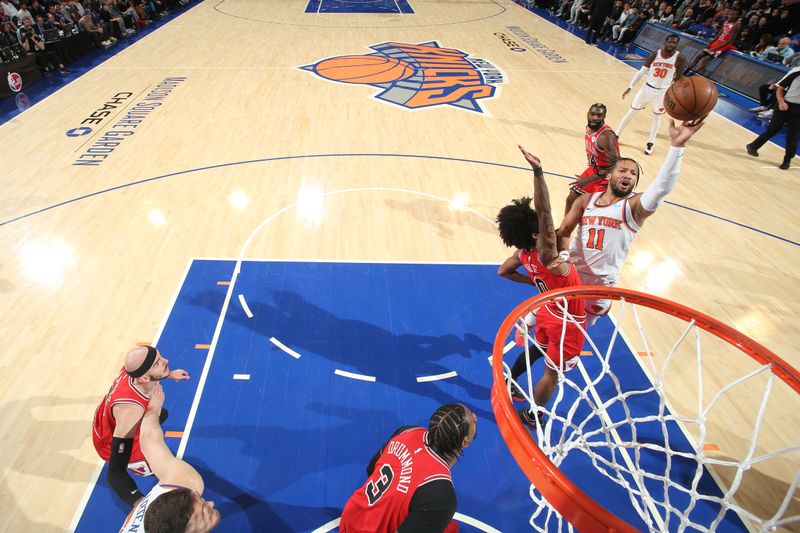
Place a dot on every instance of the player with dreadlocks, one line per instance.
(533, 234)
(408, 487)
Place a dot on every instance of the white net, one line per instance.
(689, 431)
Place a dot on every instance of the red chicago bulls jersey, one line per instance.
(381, 504)
(547, 281)
(597, 157)
(122, 391)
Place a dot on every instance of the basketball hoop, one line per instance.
(605, 428)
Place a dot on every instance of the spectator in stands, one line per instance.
(684, 23)
(38, 26)
(625, 22)
(627, 35)
(99, 37)
(746, 40)
(782, 50)
(618, 11)
(764, 42)
(8, 36)
(46, 61)
(36, 8)
(127, 12)
(10, 10)
(25, 24)
(23, 12)
(114, 26)
(574, 11)
(762, 28)
(601, 12)
(51, 23)
(666, 17)
(697, 25)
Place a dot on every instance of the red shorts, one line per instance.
(136, 464)
(714, 49)
(548, 333)
(598, 186)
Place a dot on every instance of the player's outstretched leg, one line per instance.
(624, 122)
(653, 132)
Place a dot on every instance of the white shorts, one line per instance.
(648, 94)
(597, 307)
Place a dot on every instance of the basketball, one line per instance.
(690, 98)
(364, 69)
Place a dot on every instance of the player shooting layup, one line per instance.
(662, 67)
(607, 222)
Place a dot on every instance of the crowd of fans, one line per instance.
(33, 27)
(770, 29)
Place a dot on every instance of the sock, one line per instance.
(654, 128)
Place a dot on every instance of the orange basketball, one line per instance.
(364, 69)
(690, 98)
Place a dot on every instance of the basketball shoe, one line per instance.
(648, 149)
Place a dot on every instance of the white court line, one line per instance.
(245, 307)
(353, 375)
(425, 379)
(507, 348)
(241, 377)
(283, 347)
(96, 475)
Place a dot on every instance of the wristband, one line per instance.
(538, 172)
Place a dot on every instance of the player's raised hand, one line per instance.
(179, 374)
(156, 400)
(534, 161)
(680, 134)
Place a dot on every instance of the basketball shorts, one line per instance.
(548, 335)
(596, 307)
(598, 186)
(649, 95)
(137, 464)
(715, 50)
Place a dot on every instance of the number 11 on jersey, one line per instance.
(595, 240)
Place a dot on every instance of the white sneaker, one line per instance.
(105, 44)
(765, 114)
(648, 149)
(758, 109)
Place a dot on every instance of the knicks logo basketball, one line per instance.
(416, 75)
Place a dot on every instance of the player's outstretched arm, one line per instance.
(167, 468)
(127, 417)
(645, 204)
(546, 237)
(642, 72)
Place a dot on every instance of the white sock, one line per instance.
(627, 118)
(530, 320)
(654, 128)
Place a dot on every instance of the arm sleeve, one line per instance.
(665, 181)
(638, 76)
(118, 478)
(431, 508)
(371, 465)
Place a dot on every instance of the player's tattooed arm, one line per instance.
(546, 238)
(607, 143)
(680, 66)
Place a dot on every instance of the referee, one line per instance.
(787, 111)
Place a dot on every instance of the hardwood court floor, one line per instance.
(82, 282)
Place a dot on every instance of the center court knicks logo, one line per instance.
(416, 76)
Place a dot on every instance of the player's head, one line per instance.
(596, 116)
(518, 224)
(623, 176)
(452, 428)
(145, 363)
(671, 42)
(180, 511)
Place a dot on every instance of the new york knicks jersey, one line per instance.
(662, 70)
(135, 521)
(603, 239)
(382, 503)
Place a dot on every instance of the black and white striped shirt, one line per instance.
(791, 84)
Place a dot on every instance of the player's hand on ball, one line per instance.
(625, 93)
(680, 134)
(179, 374)
(534, 161)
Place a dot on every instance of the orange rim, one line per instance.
(571, 502)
